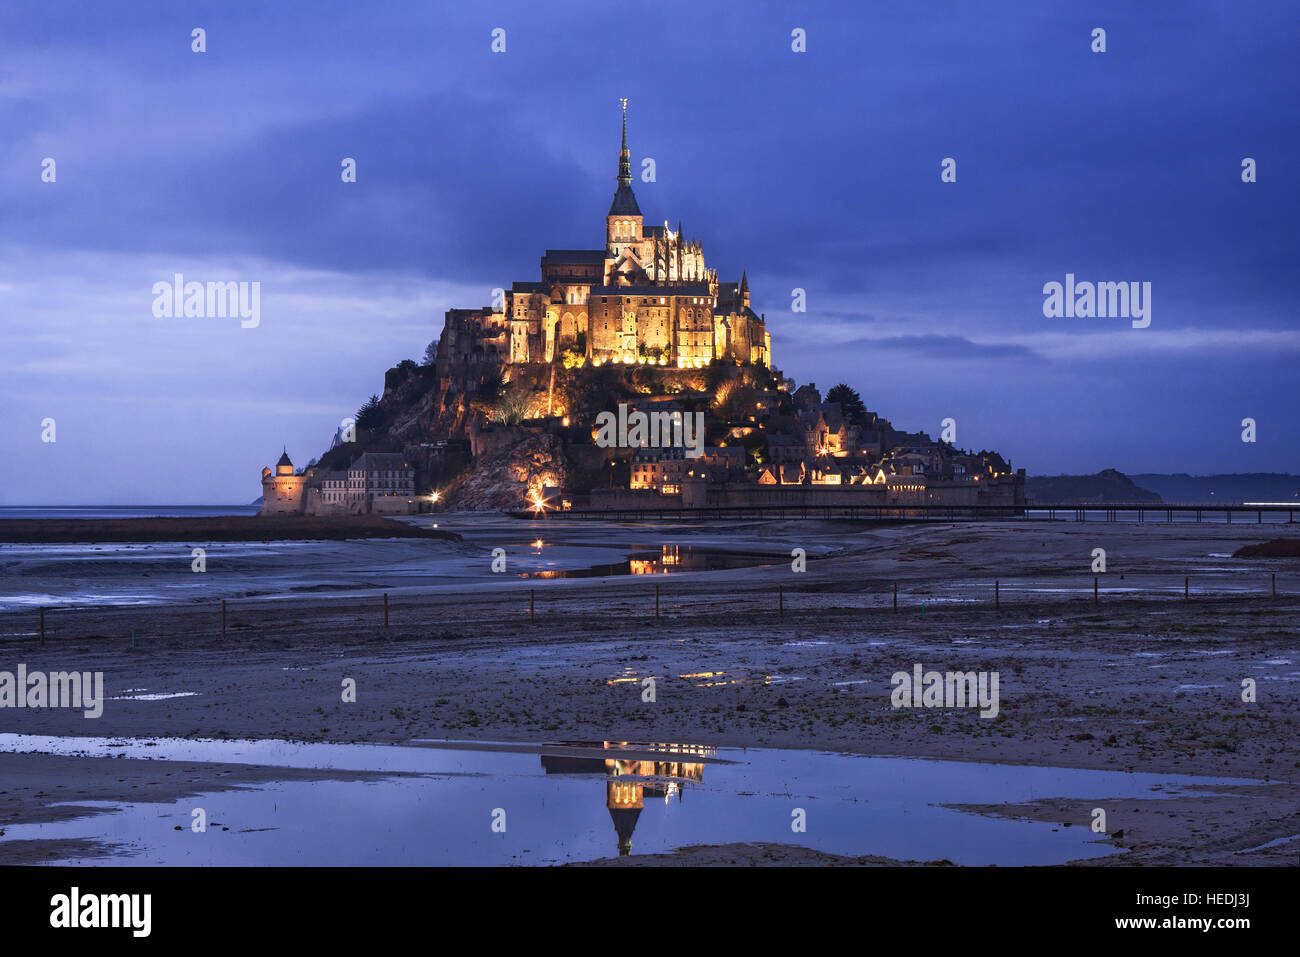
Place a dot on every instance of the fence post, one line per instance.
(1094, 589)
(223, 619)
(1185, 590)
(780, 602)
(385, 609)
(656, 601)
(530, 604)
(997, 597)
(42, 624)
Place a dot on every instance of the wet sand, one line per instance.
(219, 528)
(1143, 681)
(38, 788)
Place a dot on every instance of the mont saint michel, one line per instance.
(506, 409)
(434, 444)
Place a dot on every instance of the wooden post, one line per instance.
(780, 602)
(1185, 581)
(1275, 584)
(1094, 589)
(385, 609)
(656, 601)
(895, 596)
(223, 619)
(42, 624)
(997, 597)
(530, 604)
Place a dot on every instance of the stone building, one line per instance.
(376, 483)
(647, 296)
(381, 482)
(282, 491)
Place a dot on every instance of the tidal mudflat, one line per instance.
(1143, 683)
(465, 803)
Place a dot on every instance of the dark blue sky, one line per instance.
(817, 170)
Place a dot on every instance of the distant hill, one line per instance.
(1219, 489)
(1114, 486)
(1107, 486)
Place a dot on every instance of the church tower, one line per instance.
(623, 224)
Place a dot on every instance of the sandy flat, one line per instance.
(1141, 681)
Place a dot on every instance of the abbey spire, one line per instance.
(624, 156)
(624, 201)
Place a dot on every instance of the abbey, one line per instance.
(647, 297)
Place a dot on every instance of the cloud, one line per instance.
(942, 347)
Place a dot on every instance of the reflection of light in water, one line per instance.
(538, 544)
(763, 679)
(629, 675)
(630, 780)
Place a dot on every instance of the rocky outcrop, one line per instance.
(504, 479)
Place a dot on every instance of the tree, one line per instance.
(515, 405)
(431, 353)
(369, 415)
(849, 400)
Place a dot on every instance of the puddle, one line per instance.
(705, 679)
(580, 801)
(716, 679)
(667, 560)
(1276, 842)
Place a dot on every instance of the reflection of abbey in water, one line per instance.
(631, 780)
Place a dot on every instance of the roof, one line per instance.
(284, 460)
(530, 287)
(686, 289)
(376, 461)
(566, 256)
(624, 203)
